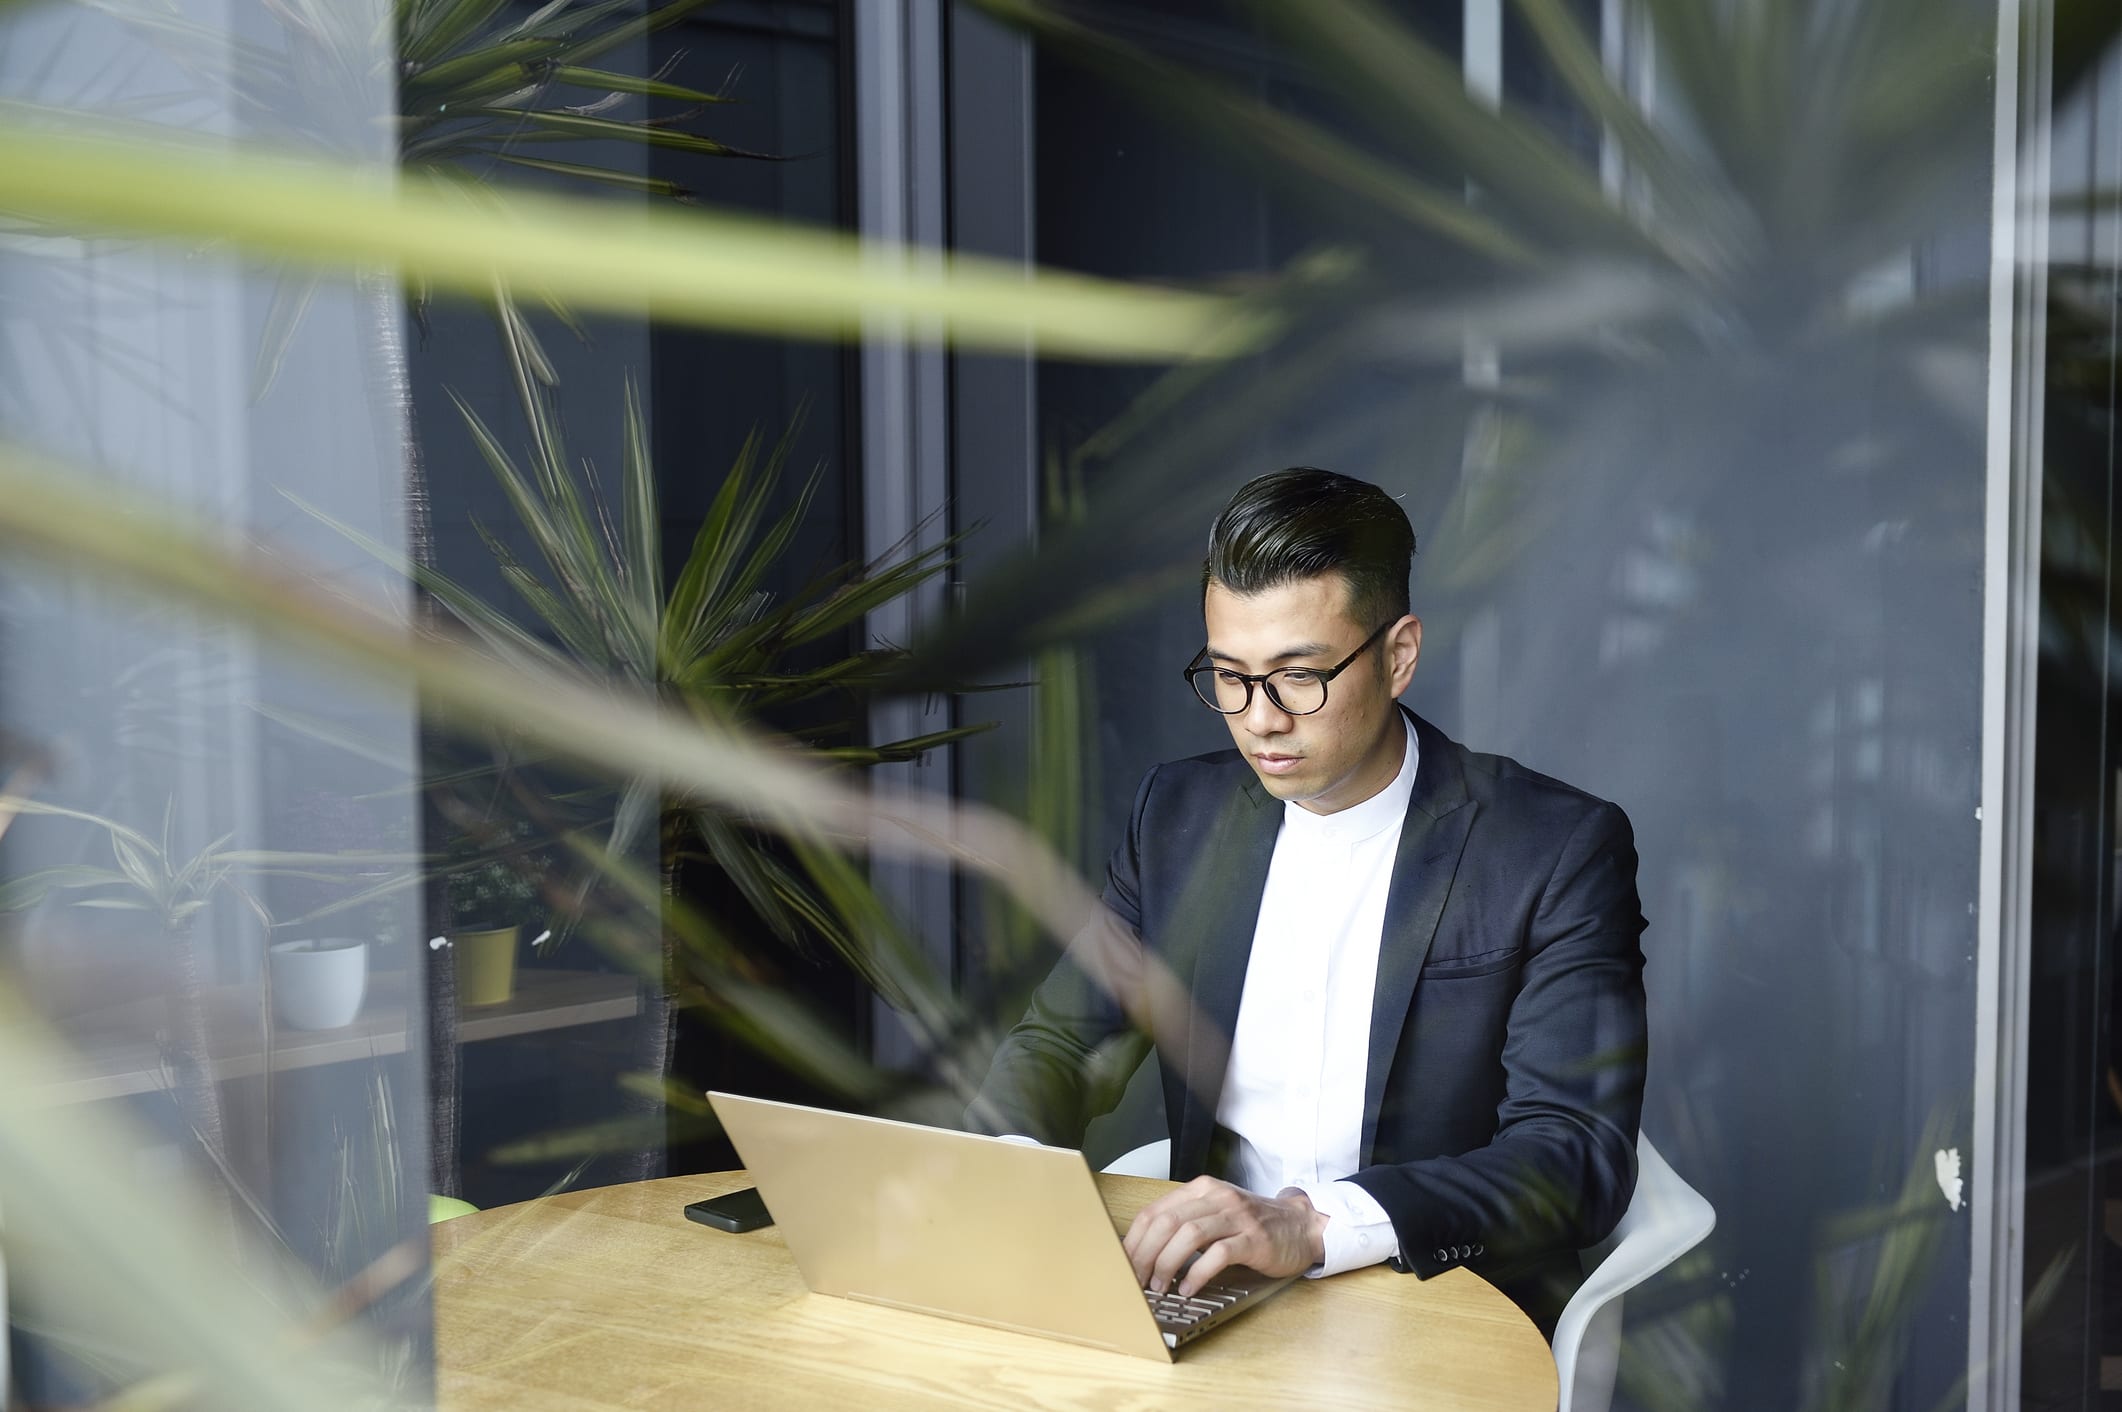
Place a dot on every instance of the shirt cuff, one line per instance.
(1031, 1141)
(1358, 1232)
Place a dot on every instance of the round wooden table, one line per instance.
(611, 1298)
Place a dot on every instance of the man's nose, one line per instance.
(1263, 716)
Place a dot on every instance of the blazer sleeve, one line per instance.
(1560, 1170)
(1069, 1059)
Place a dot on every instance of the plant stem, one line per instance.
(192, 1076)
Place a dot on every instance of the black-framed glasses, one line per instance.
(1296, 690)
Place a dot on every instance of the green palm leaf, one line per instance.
(595, 46)
(471, 75)
(140, 842)
(702, 591)
(642, 550)
(426, 31)
(874, 588)
(293, 293)
(632, 181)
(572, 611)
(496, 629)
(582, 637)
(577, 126)
(33, 887)
(630, 83)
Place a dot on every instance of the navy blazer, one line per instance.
(1507, 1038)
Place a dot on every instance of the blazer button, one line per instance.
(1480, 1249)
(1442, 1257)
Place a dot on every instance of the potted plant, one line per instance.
(351, 870)
(148, 874)
(318, 983)
(491, 894)
(709, 636)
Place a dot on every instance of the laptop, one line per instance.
(980, 1229)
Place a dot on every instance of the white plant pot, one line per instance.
(319, 985)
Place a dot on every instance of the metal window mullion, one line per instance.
(1628, 47)
(904, 435)
(2010, 661)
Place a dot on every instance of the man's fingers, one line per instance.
(1148, 1232)
(1160, 1243)
(1187, 1239)
(1224, 1226)
(1152, 1228)
(1147, 1239)
(1180, 1225)
(1213, 1261)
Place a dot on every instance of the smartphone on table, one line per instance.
(738, 1212)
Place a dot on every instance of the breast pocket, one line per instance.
(1460, 968)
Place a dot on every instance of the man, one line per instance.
(1426, 961)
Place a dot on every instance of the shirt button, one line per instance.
(1363, 1241)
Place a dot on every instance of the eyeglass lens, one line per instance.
(1293, 689)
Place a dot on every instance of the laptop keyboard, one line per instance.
(1187, 1315)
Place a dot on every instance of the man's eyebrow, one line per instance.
(1287, 654)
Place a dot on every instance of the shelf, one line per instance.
(552, 1000)
(115, 1054)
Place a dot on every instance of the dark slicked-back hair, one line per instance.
(1303, 522)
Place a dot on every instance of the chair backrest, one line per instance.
(1151, 1159)
(1665, 1219)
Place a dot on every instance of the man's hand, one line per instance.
(1225, 1225)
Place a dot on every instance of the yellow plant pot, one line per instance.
(486, 965)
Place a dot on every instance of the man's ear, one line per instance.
(1403, 649)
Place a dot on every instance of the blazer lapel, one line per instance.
(1222, 901)
(1439, 816)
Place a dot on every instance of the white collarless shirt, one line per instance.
(1300, 1051)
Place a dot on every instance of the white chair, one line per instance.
(1665, 1219)
(1151, 1159)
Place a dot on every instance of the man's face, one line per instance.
(1350, 748)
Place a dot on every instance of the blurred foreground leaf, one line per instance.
(143, 1265)
(721, 270)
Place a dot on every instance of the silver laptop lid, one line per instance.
(968, 1227)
